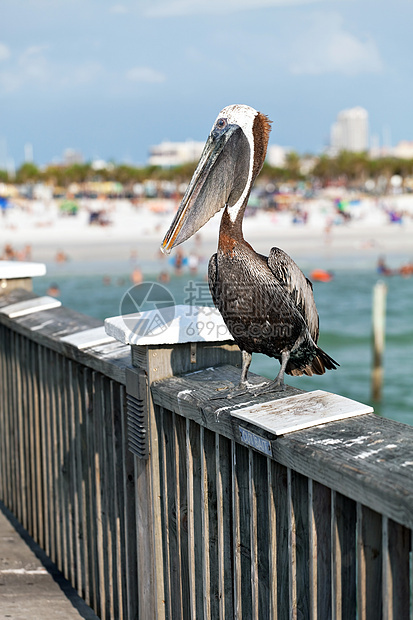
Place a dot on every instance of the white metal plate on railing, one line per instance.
(30, 306)
(170, 325)
(88, 338)
(295, 413)
(10, 269)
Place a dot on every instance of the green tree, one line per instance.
(28, 173)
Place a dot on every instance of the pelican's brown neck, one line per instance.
(230, 232)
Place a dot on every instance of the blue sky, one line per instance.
(111, 77)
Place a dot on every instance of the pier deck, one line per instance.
(30, 584)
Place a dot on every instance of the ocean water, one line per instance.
(344, 305)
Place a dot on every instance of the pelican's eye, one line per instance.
(221, 123)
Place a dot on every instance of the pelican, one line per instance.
(267, 303)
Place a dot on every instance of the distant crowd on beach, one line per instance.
(405, 270)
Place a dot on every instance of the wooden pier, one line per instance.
(157, 502)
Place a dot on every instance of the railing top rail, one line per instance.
(367, 458)
(74, 335)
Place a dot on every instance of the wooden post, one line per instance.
(18, 275)
(379, 330)
(191, 339)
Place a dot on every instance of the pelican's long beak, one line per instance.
(211, 185)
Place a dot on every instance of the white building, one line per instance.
(276, 155)
(171, 154)
(350, 132)
(404, 149)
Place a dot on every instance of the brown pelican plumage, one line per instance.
(266, 302)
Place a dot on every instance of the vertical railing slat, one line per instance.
(320, 550)
(396, 571)
(244, 591)
(129, 543)
(260, 527)
(78, 453)
(300, 537)
(182, 512)
(344, 553)
(164, 489)
(172, 510)
(369, 564)
(38, 441)
(210, 531)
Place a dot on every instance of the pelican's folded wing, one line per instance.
(299, 287)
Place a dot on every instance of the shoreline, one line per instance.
(134, 237)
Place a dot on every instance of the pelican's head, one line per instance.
(232, 157)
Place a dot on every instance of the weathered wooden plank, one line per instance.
(320, 550)
(344, 553)
(244, 592)
(13, 455)
(396, 571)
(18, 429)
(182, 512)
(60, 395)
(79, 471)
(74, 531)
(49, 327)
(154, 434)
(36, 396)
(172, 510)
(369, 576)
(195, 542)
(144, 537)
(253, 513)
(68, 468)
(173, 360)
(24, 432)
(44, 404)
(88, 338)
(3, 421)
(279, 505)
(112, 504)
(91, 492)
(129, 542)
(190, 520)
(30, 306)
(236, 532)
(344, 456)
(272, 543)
(300, 542)
(260, 532)
(99, 474)
(165, 490)
(109, 484)
(29, 427)
(119, 499)
(224, 494)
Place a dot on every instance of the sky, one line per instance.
(111, 78)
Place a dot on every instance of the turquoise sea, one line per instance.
(344, 305)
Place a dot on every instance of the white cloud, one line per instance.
(35, 69)
(119, 9)
(4, 52)
(326, 46)
(173, 8)
(145, 74)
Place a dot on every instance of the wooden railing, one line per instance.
(313, 524)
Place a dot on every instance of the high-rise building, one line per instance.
(170, 154)
(350, 132)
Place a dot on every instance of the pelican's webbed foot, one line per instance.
(245, 387)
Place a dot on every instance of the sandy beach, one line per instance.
(323, 241)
